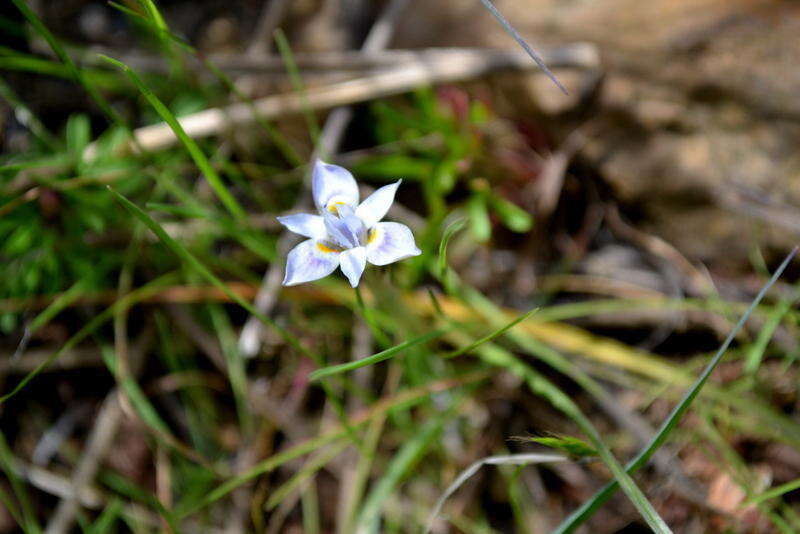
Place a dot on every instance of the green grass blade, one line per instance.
(11, 506)
(134, 393)
(772, 493)
(28, 515)
(405, 399)
(105, 521)
(388, 353)
(466, 474)
(162, 32)
(497, 333)
(58, 304)
(375, 358)
(540, 385)
(449, 232)
(155, 15)
(237, 372)
(195, 264)
(77, 74)
(585, 511)
(127, 488)
(405, 460)
(27, 118)
(297, 82)
(363, 468)
(152, 288)
(200, 159)
(61, 302)
(756, 354)
(302, 475)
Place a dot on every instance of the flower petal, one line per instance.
(389, 242)
(346, 232)
(352, 262)
(377, 204)
(310, 260)
(331, 184)
(312, 226)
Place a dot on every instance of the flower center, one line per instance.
(345, 228)
(322, 247)
(333, 207)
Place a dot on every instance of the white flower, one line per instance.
(345, 234)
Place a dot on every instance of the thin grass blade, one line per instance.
(405, 459)
(582, 514)
(490, 337)
(181, 251)
(772, 493)
(405, 399)
(466, 474)
(525, 46)
(200, 159)
(152, 288)
(375, 358)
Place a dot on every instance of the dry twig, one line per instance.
(431, 68)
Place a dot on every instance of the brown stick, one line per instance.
(430, 68)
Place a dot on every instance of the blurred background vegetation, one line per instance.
(585, 255)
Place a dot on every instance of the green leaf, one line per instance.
(27, 512)
(479, 223)
(394, 166)
(446, 176)
(78, 75)
(512, 216)
(78, 133)
(449, 232)
(21, 240)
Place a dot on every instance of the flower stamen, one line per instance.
(333, 207)
(371, 235)
(325, 248)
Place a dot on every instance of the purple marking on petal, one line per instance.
(310, 260)
(391, 242)
(347, 232)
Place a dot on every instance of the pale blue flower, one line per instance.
(345, 234)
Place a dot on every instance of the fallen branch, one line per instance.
(430, 67)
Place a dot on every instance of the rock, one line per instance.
(697, 122)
